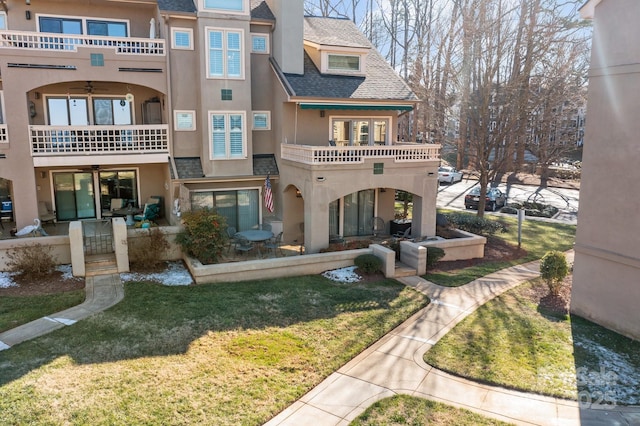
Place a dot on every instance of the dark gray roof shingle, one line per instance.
(265, 164)
(177, 5)
(260, 10)
(188, 167)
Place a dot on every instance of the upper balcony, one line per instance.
(349, 155)
(54, 42)
(61, 145)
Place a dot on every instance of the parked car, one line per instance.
(495, 199)
(449, 175)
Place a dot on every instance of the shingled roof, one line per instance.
(191, 167)
(380, 82)
(260, 10)
(177, 5)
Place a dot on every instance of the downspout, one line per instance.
(295, 129)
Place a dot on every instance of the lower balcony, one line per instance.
(323, 155)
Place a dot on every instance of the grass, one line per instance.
(234, 353)
(512, 343)
(408, 410)
(537, 238)
(17, 310)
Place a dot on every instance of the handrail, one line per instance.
(70, 140)
(406, 152)
(70, 42)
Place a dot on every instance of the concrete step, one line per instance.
(403, 270)
(100, 264)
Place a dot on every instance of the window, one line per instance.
(181, 38)
(184, 120)
(60, 25)
(224, 54)
(108, 111)
(259, 43)
(360, 131)
(261, 120)
(226, 94)
(107, 28)
(241, 207)
(237, 6)
(228, 137)
(3, 21)
(344, 62)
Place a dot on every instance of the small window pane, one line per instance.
(260, 121)
(3, 21)
(218, 127)
(259, 44)
(343, 62)
(182, 39)
(232, 5)
(235, 135)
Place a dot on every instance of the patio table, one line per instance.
(128, 213)
(257, 236)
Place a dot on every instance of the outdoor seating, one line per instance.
(149, 212)
(116, 204)
(45, 214)
(274, 244)
(377, 226)
(243, 244)
(403, 234)
(231, 233)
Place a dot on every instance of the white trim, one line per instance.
(224, 32)
(253, 120)
(227, 142)
(174, 30)
(184, 112)
(244, 11)
(325, 63)
(266, 43)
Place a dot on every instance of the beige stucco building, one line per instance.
(606, 278)
(197, 102)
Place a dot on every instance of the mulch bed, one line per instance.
(50, 284)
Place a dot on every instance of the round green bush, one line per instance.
(554, 269)
(368, 263)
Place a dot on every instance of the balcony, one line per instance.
(47, 42)
(48, 141)
(3, 133)
(325, 155)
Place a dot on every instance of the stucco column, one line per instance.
(76, 246)
(316, 223)
(120, 244)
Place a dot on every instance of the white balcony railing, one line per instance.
(407, 152)
(73, 140)
(3, 133)
(70, 42)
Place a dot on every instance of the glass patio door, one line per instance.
(74, 195)
(358, 212)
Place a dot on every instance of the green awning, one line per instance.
(373, 107)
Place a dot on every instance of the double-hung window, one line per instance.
(228, 134)
(225, 53)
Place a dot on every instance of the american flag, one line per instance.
(268, 195)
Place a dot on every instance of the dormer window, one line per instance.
(348, 63)
(230, 6)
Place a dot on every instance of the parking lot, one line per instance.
(566, 200)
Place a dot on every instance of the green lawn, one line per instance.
(537, 238)
(408, 410)
(233, 354)
(511, 342)
(18, 310)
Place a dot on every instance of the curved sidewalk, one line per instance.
(102, 292)
(394, 365)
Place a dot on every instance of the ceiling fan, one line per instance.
(89, 88)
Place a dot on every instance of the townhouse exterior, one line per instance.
(606, 288)
(197, 102)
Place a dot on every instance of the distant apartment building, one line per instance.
(197, 102)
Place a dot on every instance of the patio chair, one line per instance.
(149, 212)
(243, 245)
(231, 233)
(116, 204)
(45, 214)
(265, 227)
(377, 226)
(274, 244)
(406, 234)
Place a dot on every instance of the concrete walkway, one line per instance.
(394, 365)
(102, 292)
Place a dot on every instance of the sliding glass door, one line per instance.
(240, 208)
(360, 131)
(358, 212)
(74, 195)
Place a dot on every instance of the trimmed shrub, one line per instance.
(34, 261)
(474, 224)
(434, 254)
(553, 269)
(368, 263)
(203, 235)
(145, 252)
